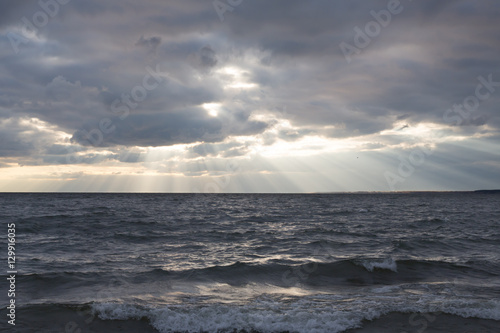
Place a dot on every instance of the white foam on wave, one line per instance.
(263, 317)
(372, 264)
(385, 289)
(305, 314)
(487, 310)
(117, 311)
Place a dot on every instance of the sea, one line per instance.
(341, 262)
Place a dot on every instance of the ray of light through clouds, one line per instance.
(254, 96)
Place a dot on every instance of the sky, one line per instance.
(249, 96)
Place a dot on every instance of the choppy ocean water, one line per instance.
(262, 262)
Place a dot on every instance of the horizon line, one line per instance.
(329, 192)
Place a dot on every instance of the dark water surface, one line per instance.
(264, 262)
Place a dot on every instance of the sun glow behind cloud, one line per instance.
(235, 78)
(212, 108)
(292, 163)
(278, 98)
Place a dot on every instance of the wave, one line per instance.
(388, 264)
(358, 271)
(431, 220)
(58, 278)
(348, 272)
(230, 318)
(315, 313)
(323, 314)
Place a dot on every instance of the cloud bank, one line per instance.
(182, 89)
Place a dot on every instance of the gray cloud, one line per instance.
(92, 53)
(150, 43)
(20, 137)
(204, 60)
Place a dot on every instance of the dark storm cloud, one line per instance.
(204, 60)
(150, 43)
(188, 126)
(91, 53)
(21, 138)
(13, 11)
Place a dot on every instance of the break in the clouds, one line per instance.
(249, 95)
